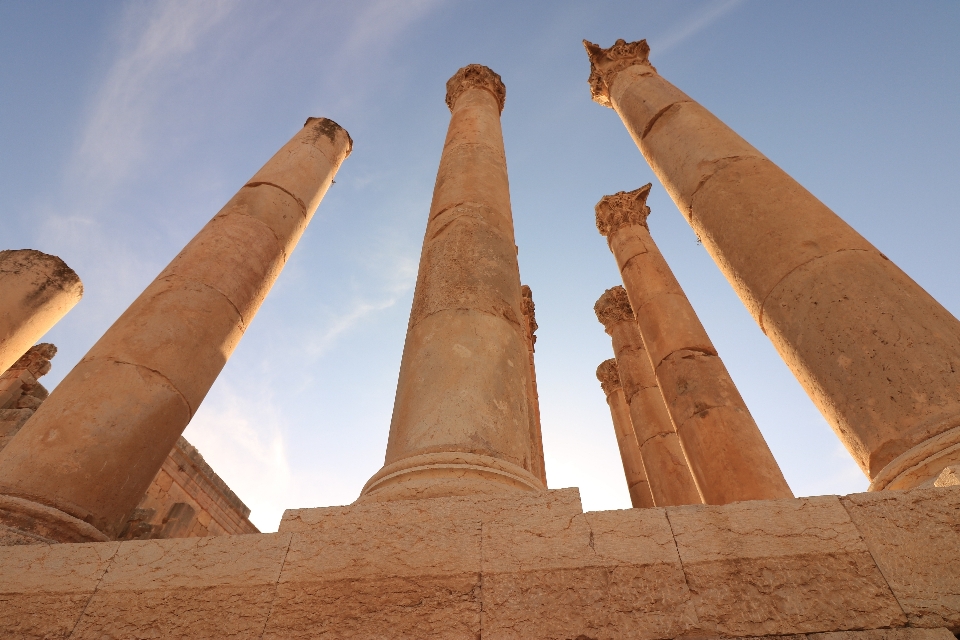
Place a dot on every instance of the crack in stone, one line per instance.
(656, 117)
(276, 586)
(303, 207)
(95, 590)
(168, 380)
(243, 322)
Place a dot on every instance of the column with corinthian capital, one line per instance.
(727, 454)
(875, 352)
(671, 482)
(608, 373)
(80, 465)
(462, 419)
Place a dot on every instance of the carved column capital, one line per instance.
(605, 64)
(529, 312)
(608, 373)
(36, 360)
(622, 208)
(475, 76)
(613, 307)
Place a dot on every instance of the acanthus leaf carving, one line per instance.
(476, 76)
(613, 307)
(623, 208)
(605, 64)
(608, 373)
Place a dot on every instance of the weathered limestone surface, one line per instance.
(914, 537)
(95, 444)
(608, 373)
(462, 419)
(37, 290)
(20, 392)
(527, 565)
(726, 453)
(536, 434)
(670, 479)
(875, 352)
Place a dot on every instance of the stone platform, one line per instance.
(873, 566)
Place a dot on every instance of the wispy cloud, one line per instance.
(692, 26)
(157, 39)
(240, 436)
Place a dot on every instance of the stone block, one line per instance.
(914, 537)
(611, 574)
(381, 570)
(903, 633)
(780, 567)
(44, 588)
(187, 588)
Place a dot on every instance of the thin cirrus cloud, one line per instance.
(693, 25)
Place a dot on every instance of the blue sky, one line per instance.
(124, 127)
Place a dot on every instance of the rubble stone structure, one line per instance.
(875, 352)
(608, 373)
(36, 290)
(668, 473)
(725, 451)
(187, 499)
(494, 557)
(77, 468)
(463, 420)
(20, 391)
(529, 315)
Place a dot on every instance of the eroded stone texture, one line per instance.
(780, 567)
(914, 537)
(875, 352)
(20, 392)
(463, 421)
(609, 376)
(670, 479)
(37, 290)
(187, 588)
(536, 435)
(96, 443)
(725, 451)
(44, 589)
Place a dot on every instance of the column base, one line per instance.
(437, 475)
(27, 522)
(921, 465)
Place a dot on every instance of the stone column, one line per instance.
(461, 418)
(81, 464)
(727, 454)
(529, 315)
(608, 374)
(875, 352)
(36, 290)
(671, 482)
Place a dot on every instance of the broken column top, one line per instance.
(613, 307)
(605, 64)
(475, 76)
(608, 373)
(623, 208)
(329, 129)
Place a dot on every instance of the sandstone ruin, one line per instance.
(458, 536)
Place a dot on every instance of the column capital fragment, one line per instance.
(605, 64)
(608, 373)
(475, 76)
(613, 307)
(623, 208)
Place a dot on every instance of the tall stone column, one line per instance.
(727, 454)
(529, 315)
(81, 464)
(36, 290)
(461, 419)
(875, 352)
(608, 373)
(671, 482)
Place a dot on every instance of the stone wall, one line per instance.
(875, 566)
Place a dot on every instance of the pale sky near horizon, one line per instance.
(125, 126)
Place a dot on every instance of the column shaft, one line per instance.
(529, 313)
(671, 481)
(727, 454)
(96, 443)
(633, 466)
(875, 352)
(461, 419)
(36, 290)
